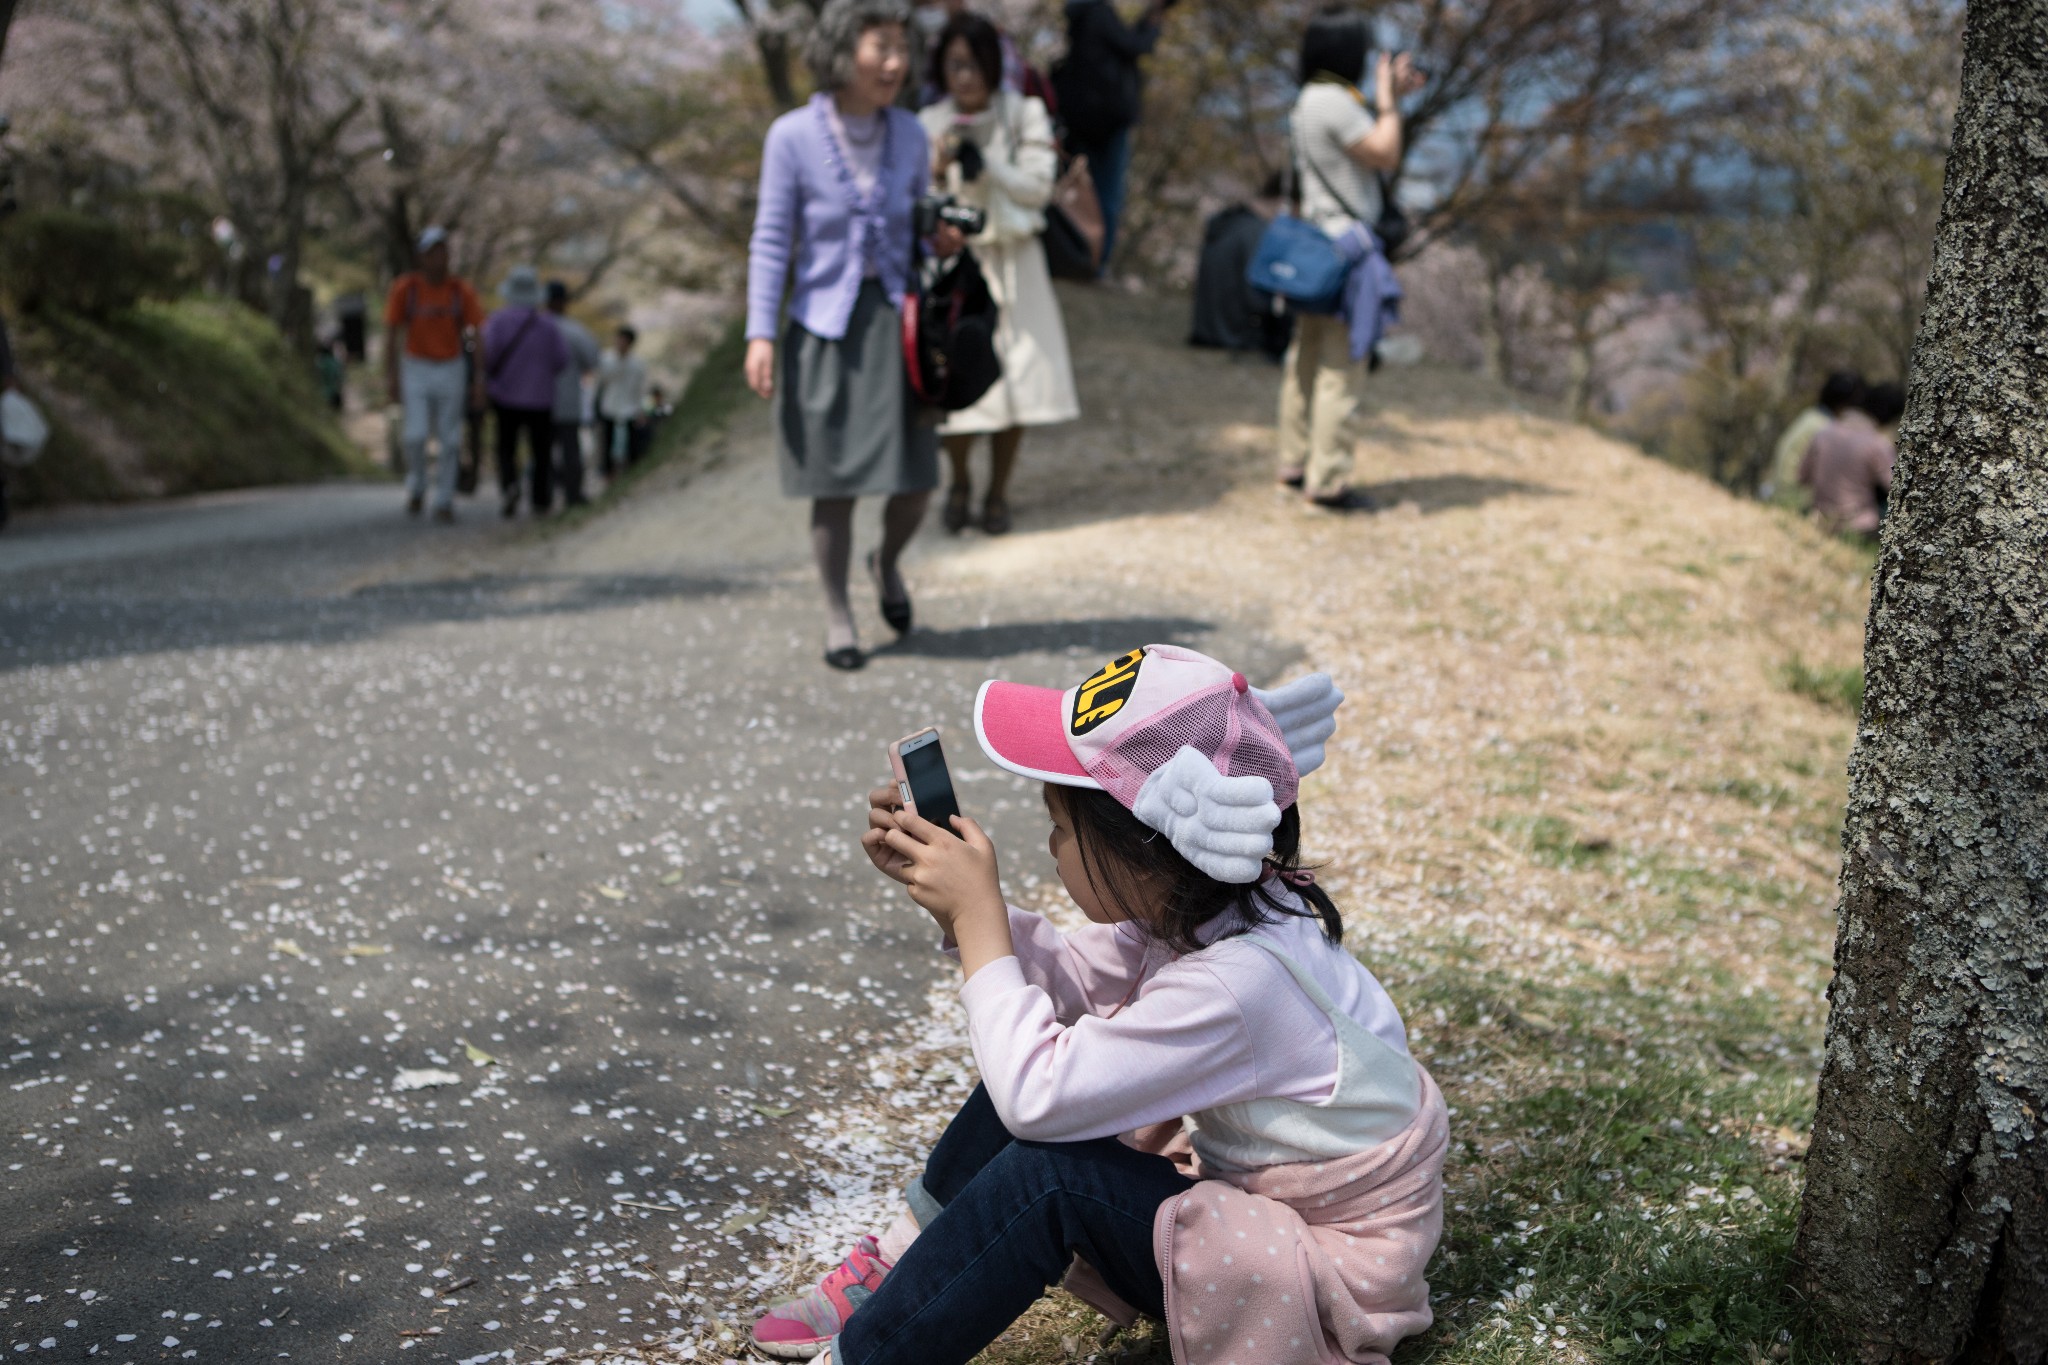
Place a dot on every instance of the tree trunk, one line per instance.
(284, 281)
(1580, 367)
(1924, 1232)
(1495, 358)
(7, 11)
(774, 52)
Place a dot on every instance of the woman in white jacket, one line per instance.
(993, 149)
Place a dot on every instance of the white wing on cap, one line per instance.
(1223, 825)
(1307, 712)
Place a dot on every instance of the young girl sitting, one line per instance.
(1211, 996)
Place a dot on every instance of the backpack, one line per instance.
(949, 334)
(1073, 232)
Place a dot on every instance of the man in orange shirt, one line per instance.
(428, 318)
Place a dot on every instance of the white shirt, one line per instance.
(1335, 190)
(621, 386)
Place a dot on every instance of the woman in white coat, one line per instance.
(993, 149)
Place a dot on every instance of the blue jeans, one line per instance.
(1108, 161)
(1006, 1218)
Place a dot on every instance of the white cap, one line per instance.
(433, 237)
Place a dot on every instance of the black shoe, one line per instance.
(1350, 500)
(413, 505)
(897, 614)
(847, 658)
(1294, 479)
(959, 510)
(509, 508)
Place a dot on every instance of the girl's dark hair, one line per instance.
(984, 44)
(1336, 42)
(1130, 864)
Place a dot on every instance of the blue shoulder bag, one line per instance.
(1297, 261)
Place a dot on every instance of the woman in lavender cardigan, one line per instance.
(840, 178)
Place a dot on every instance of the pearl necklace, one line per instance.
(873, 136)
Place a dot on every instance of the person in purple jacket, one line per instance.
(523, 352)
(840, 179)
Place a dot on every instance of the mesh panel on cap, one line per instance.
(1205, 722)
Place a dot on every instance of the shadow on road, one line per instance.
(1100, 634)
(52, 628)
(1447, 492)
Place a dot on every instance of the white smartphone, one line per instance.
(922, 779)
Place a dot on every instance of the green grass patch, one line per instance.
(1645, 1221)
(1765, 795)
(1624, 1177)
(1552, 840)
(717, 386)
(1637, 614)
(1840, 689)
(186, 396)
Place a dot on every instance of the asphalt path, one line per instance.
(297, 794)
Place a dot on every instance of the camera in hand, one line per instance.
(935, 211)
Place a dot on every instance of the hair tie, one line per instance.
(1300, 878)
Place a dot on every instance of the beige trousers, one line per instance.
(1316, 399)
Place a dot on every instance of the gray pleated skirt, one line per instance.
(846, 420)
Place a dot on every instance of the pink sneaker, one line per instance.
(799, 1328)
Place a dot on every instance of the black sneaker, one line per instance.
(1350, 500)
(413, 505)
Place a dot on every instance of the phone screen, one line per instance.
(931, 786)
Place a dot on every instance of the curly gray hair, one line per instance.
(837, 33)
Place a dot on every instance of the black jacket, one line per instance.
(1229, 313)
(1097, 82)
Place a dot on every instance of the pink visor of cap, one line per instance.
(1129, 718)
(1023, 728)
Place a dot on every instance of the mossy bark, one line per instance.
(1924, 1234)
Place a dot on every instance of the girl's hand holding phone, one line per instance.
(883, 803)
(951, 875)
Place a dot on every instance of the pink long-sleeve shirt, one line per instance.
(1096, 1032)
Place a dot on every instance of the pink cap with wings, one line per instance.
(1129, 718)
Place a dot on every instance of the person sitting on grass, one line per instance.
(1842, 391)
(1848, 466)
(1211, 993)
